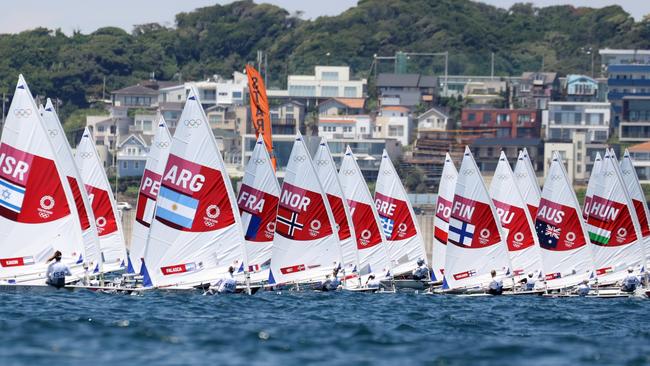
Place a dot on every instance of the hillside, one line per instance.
(220, 39)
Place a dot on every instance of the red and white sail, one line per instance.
(398, 221)
(591, 185)
(329, 178)
(373, 251)
(516, 222)
(526, 181)
(258, 205)
(107, 218)
(196, 233)
(441, 220)
(306, 245)
(631, 181)
(38, 213)
(566, 255)
(65, 159)
(148, 193)
(476, 244)
(616, 238)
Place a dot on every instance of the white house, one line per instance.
(435, 119)
(327, 82)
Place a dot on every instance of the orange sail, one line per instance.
(260, 109)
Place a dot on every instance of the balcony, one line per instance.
(628, 82)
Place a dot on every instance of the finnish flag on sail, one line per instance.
(175, 207)
(11, 196)
(460, 232)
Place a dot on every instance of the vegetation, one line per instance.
(220, 39)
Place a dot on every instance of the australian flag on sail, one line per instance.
(387, 226)
(547, 234)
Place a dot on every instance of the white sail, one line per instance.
(516, 222)
(373, 251)
(591, 185)
(476, 244)
(398, 221)
(38, 214)
(329, 178)
(615, 236)
(148, 194)
(107, 218)
(196, 234)
(527, 182)
(566, 255)
(306, 246)
(258, 204)
(66, 161)
(631, 181)
(441, 220)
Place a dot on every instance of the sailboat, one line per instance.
(306, 246)
(148, 194)
(612, 231)
(329, 178)
(526, 181)
(591, 185)
(66, 160)
(258, 204)
(398, 221)
(476, 244)
(566, 257)
(517, 225)
(374, 257)
(38, 212)
(196, 235)
(631, 181)
(441, 220)
(107, 218)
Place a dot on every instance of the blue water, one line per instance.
(84, 328)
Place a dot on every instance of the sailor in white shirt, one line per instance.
(496, 286)
(528, 283)
(57, 271)
(421, 272)
(226, 285)
(584, 288)
(372, 282)
(631, 282)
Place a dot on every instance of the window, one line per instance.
(329, 91)
(136, 164)
(395, 130)
(523, 118)
(302, 90)
(236, 95)
(210, 94)
(471, 117)
(125, 165)
(579, 157)
(350, 91)
(487, 117)
(288, 108)
(579, 146)
(577, 118)
(363, 129)
(113, 130)
(502, 118)
(330, 75)
(100, 128)
(147, 125)
(347, 128)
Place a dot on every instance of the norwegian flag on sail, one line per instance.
(301, 214)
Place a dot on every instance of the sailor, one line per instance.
(57, 271)
(226, 285)
(496, 286)
(421, 272)
(528, 283)
(336, 282)
(631, 282)
(372, 282)
(583, 288)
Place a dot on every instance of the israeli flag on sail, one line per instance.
(11, 196)
(175, 207)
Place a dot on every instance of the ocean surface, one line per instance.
(288, 328)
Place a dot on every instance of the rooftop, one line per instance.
(356, 103)
(642, 147)
(136, 90)
(505, 141)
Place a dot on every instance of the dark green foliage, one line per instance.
(220, 39)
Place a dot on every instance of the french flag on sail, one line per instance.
(177, 208)
(11, 196)
(253, 227)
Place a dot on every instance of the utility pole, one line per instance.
(115, 153)
(104, 90)
(492, 68)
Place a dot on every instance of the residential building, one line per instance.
(406, 89)
(487, 151)
(456, 83)
(135, 96)
(563, 119)
(132, 155)
(635, 119)
(394, 122)
(327, 82)
(485, 92)
(536, 89)
(436, 118)
(574, 154)
(621, 56)
(626, 81)
(213, 91)
(342, 106)
(351, 127)
(640, 155)
(523, 123)
(107, 130)
(581, 88)
(171, 112)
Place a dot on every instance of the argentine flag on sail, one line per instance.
(175, 207)
(11, 196)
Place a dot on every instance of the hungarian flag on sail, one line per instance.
(609, 223)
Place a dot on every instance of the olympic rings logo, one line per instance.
(321, 162)
(348, 172)
(162, 144)
(193, 123)
(86, 155)
(300, 158)
(22, 113)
